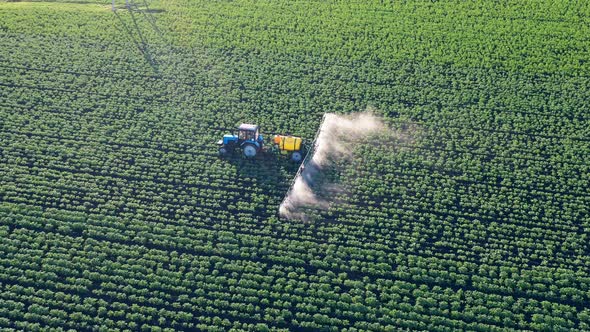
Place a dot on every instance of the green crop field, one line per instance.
(116, 212)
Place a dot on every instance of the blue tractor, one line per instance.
(248, 138)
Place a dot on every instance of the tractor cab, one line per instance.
(248, 132)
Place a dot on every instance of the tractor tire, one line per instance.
(223, 151)
(249, 151)
(296, 156)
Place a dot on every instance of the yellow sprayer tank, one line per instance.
(288, 143)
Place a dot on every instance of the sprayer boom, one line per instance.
(308, 156)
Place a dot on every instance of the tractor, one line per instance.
(249, 139)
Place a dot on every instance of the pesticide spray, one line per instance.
(336, 140)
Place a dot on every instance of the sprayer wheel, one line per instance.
(296, 156)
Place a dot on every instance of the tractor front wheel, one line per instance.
(223, 151)
(250, 151)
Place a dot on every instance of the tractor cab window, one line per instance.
(248, 132)
(248, 135)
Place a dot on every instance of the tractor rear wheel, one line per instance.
(296, 156)
(249, 150)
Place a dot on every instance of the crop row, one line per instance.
(116, 211)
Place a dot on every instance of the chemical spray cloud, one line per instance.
(337, 138)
